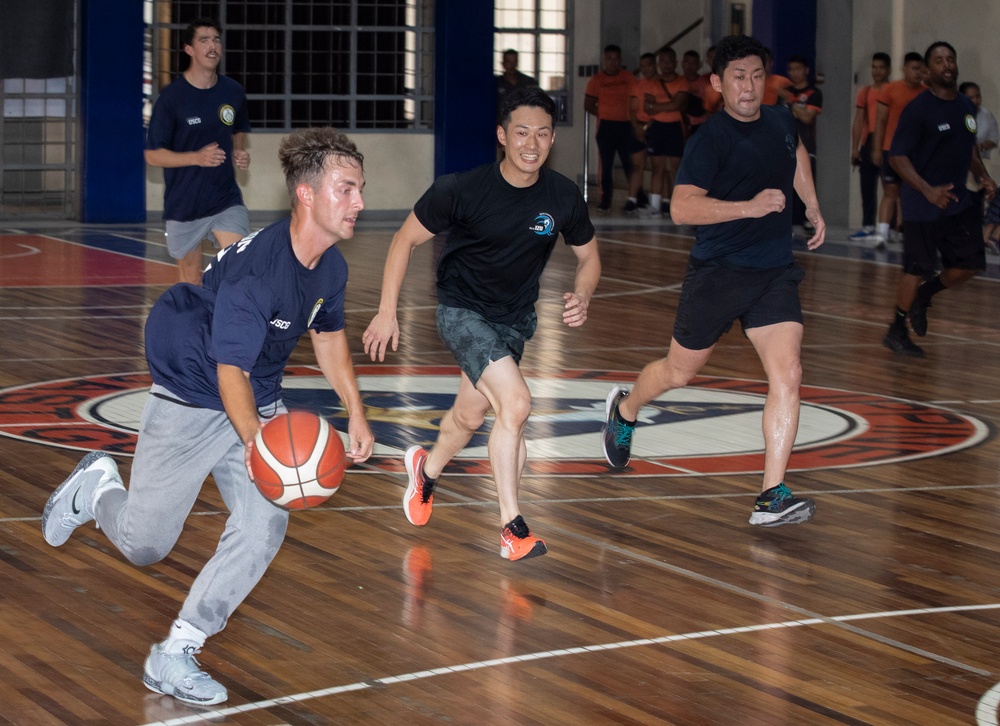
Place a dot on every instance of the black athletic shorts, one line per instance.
(665, 139)
(958, 238)
(476, 342)
(713, 296)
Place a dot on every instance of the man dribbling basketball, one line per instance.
(216, 355)
(503, 220)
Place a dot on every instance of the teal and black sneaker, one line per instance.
(776, 506)
(617, 432)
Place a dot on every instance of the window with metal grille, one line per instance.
(353, 64)
(538, 31)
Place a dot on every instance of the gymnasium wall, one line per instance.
(400, 166)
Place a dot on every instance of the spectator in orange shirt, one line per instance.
(664, 99)
(862, 138)
(773, 83)
(712, 98)
(893, 98)
(640, 122)
(606, 98)
(703, 99)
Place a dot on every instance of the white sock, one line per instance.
(883, 229)
(633, 199)
(655, 200)
(182, 636)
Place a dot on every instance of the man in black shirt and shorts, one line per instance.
(735, 184)
(502, 221)
(933, 151)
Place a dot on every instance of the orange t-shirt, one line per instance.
(896, 96)
(612, 94)
(655, 88)
(867, 101)
(771, 85)
(710, 98)
(713, 99)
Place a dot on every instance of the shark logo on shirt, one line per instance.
(543, 225)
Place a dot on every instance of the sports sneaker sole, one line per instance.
(85, 463)
(798, 514)
(411, 490)
(156, 687)
(537, 550)
(898, 349)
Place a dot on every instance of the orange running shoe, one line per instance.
(517, 542)
(419, 495)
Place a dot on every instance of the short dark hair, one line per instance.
(736, 47)
(612, 48)
(667, 50)
(692, 54)
(912, 56)
(799, 58)
(884, 57)
(304, 155)
(510, 51)
(967, 85)
(938, 44)
(193, 26)
(648, 56)
(532, 96)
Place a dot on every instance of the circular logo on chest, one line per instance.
(227, 114)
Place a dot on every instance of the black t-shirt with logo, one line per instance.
(500, 237)
(937, 137)
(734, 161)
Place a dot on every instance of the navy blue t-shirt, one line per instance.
(734, 161)
(186, 118)
(255, 302)
(937, 137)
(500, 237)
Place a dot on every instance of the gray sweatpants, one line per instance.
(178, 447)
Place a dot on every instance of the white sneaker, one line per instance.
(178, 675)
(72, 503)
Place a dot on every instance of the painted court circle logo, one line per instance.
(710, 427)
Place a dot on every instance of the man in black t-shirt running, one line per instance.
(933, 151)
(502, 222)
(735, 181)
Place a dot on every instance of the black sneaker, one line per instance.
(616, 436)
(777, 506)
(642, 198)
(918, 316)
(665, 209)
(898, 341)
(604, 206)
(630, 207)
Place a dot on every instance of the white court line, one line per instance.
(467, 502)
(30, 252)
(986, 709)
(546, 654)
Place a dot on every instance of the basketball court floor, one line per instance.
(657, 604)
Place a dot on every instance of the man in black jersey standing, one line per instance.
(502, 221)
(933, 151)
(735, 184)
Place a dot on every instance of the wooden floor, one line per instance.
(657, 604)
